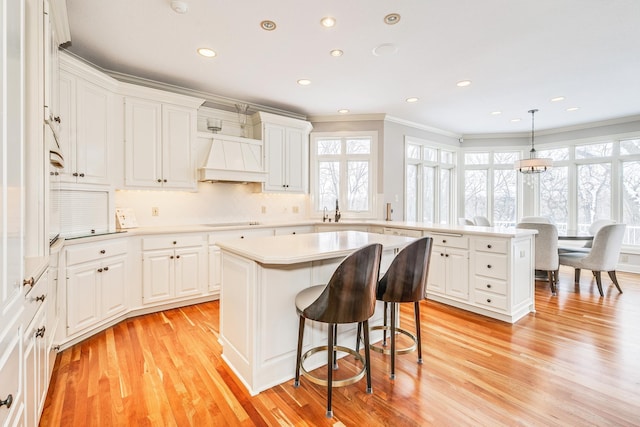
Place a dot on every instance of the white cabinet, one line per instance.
(449, 266)
(173, 267)
(286, 145)
(86, 127)
(406, 232)
(300, 229)
(96, 284)
(158, 141)
(36, 366)
(11, 365)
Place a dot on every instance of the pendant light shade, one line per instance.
(533, 164)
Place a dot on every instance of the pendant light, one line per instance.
(533, 164)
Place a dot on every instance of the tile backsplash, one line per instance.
(213, 203)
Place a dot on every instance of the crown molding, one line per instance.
(421, 126)
(348, 118)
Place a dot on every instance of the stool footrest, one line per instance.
(405, 350)
(335, 383)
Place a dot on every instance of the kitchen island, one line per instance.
(260, 279)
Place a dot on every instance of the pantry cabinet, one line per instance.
(159, 139)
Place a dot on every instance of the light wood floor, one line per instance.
(575, 362)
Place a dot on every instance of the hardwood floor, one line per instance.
(575, 362)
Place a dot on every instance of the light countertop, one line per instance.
(297, 248)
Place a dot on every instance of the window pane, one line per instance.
(594, 194)
(507, 158)
(554, 196)
(476, 158)
(358, 146)
(428, 193)
(557, 154)
(445, 195)
(329, 147)
(505, 197)
(631, 202)
(475, 193)
(630, 146)
(430, 154)
(411, 212)
(328, 184)
(413, 151)
(447, 157)
(358, 181)
(594, 150)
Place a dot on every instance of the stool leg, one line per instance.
(417, 312)
(330, 358)
(296, 382)
(393, 341)
(358, 337)
(384, 323)
(367, 358)
(335, 343)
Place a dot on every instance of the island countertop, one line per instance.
(296, 248)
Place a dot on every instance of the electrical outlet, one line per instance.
(263, 209)
(295, 209)
(155, 211)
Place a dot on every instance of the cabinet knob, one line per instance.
(446, 255)
(159, 180)
(8, 401)
(488, 286)
(56, 119)
(489, 300)
(293, 232)
(103, 252)
(488, 246)
(164, 180)
(41, 298)
(175, 242)
(30, 281)
(75, 174)
(242, 237)
(81, 175)
(171, 257)
(56, 173)
(444, 241)
(488, 265)
(177, 256)
(99, 270)
(40, 332)
(441, 254)
(106, 268)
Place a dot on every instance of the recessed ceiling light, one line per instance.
(304, 82)
(343, 111)
(392, 18)
(268, 25)
(515, 120)
(557, 99)
(463, 83)
(328, 21)
(412, 99)
(336, 52)
(385, 49)
(205, 51)
(496, 113)
(573, 109)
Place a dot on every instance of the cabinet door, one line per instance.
(143, 143)
(82, 296)
(274, 147)
(437, 270)
(189, 277)
(296, 161)
(67, 134)
(457, 273)
(93, 124)
(178, 167)
(113, 288)
(215, 269)
(35, 363)
(158, 275)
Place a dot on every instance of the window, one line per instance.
(343, 170)
(554, 188)
(630, 189)
(429, 171)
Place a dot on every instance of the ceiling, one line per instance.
(518, 56)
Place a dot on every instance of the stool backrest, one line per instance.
(350, 296)
(406, 278)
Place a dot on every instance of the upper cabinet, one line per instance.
(286, 147)
(86, 123)
(159, 132)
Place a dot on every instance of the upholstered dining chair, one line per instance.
(482, 221)
(535, 220)
(465, 221)
(546, 254)
(348, 297)
(593, 229)
(603, 255)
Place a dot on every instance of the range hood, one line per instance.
(232, 159)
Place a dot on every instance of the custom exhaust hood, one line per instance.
(233, 159)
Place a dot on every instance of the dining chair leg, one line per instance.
(614, 279)
(551, 282)
(392, 337)
(367, 355)
(418, 337)
(296, 382)
(330, 358)
(577, 276)
(599, 282)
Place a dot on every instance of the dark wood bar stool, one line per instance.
(349, 297)
(404, 281)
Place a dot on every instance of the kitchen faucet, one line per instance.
(338, 215)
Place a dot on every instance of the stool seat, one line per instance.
(307, 296)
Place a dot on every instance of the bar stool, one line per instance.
(349, 297)
(404, 281)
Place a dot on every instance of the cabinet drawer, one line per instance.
(489, 299)
(402, 232)
(491, 285)
(239, 234)
(450, 241)
(167, 242)
(491, 265)
(497, 246)
(302, 229)
(35, 298)
(92, 251)
(10, 373)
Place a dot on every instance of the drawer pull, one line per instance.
(488, 246)
(171, 257)
(242, 237)
(488, 286)
(444, 241)
(40, 332)
(30, 281)
(41, 298)
(106, 268)
(175, 242)
(99, 270)
(8, 401)
(489, 300)
(103, 252)
(488, 265)
(177, 256)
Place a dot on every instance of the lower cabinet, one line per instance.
(449, 266)
(11, 368)
(173, 267)
(36, 366)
